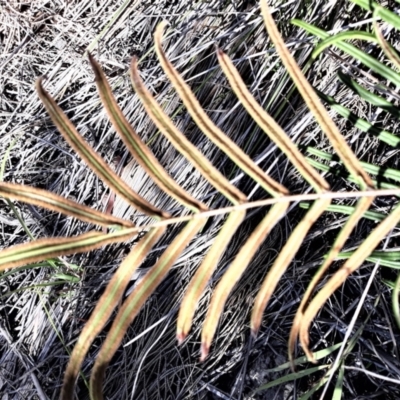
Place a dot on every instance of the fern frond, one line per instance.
(196, 213)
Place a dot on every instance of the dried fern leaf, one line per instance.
(96, 163)
(105, 306)
(181, 143)
(344, 151)
(135, 301)
(53, 202)
(310, 97)
(269, 126)
(390, 53)
(283, 260)
(361, 207)
(219, 138)
(203, 274)
(137, 148)
(351, 265)
(234, 273)
(42, 249)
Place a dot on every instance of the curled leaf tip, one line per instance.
(205, 350)
(305, 340)
(310, 357)
(134, 62)
(95, 67)
(39, 85)
(292, 364)
(161, 26)
(254, 332)
(41, 79)
(180, 337)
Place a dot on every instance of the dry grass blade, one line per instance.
(42, 249)
(269, 126)
(283, 260)
(234, 273)
(204, 272)
(105, 306)
(350, 265)
(181, 143)
(45, 199)
(98, 165)
(230, 148)
(314, 104)
(361, 207)
(136, 146)
(388, 50)
(135, 301)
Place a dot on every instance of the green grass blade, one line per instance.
(318, 355)
(353, 51)
(369, 97)
(395, 301)
(291, 377)
(348, 210)
(364, 126)
(338, 391)
(327, 168)
(340, 37)
(385, 259)
(380, 11)
(382, 172)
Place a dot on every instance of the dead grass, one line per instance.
(39, 324)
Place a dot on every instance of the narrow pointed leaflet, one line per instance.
(53, 202)
(181, 143)
(96, 163)
(135, 301)
(137, 148)
(352, 264)
(344, 151)
(42, 249)
(314, 104)
(105, 306)
(219, 138)
(234, 273)
(203, 274)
